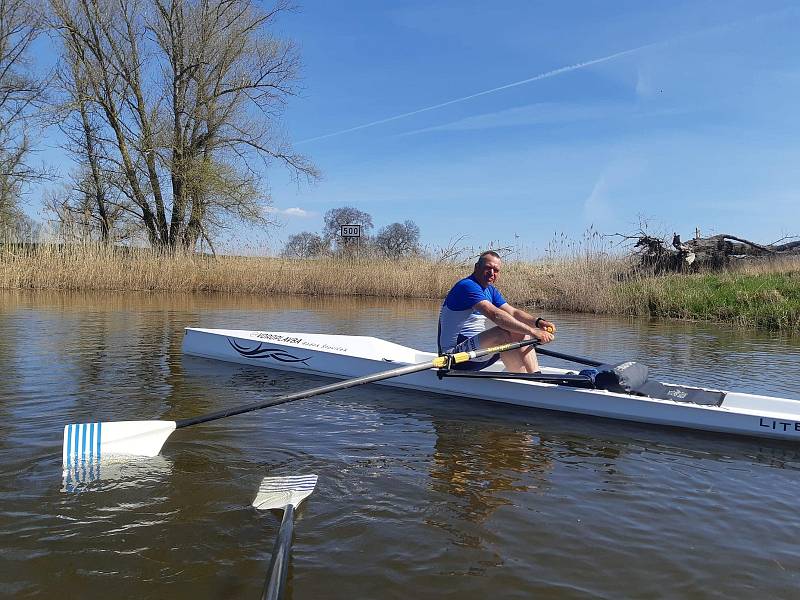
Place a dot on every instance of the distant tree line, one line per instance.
(170, 108)
(392, 241)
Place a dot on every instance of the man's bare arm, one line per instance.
(519, 315)
(506, 320)
(527, 318)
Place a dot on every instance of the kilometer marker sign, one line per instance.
(351, 231)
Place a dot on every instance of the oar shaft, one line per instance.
(438, 362)
(275, 583)
(576, 359)
(333, 387)
(145, 438)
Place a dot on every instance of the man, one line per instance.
(473, 300)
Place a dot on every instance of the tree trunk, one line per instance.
(712, 253)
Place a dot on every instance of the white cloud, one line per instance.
(602, 208)
(297, 212)
(291, 212)
(644, 86)
(596, 207)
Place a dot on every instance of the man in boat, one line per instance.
(474, 300)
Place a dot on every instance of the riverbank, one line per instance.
(766, 295)
(766, 300)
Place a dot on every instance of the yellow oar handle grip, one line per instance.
(445, 361)
(460, 357)
(440, 362)
(549, 329)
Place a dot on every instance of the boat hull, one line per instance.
(345, 357)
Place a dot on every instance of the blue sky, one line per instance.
(483, 121)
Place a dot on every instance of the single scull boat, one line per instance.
(344, 357)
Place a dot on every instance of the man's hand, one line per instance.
(547, 326)
(544, 337)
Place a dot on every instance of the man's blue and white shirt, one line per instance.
(458, 315)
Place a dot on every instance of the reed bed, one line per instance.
(585, 280)
(580, 285)
(101, 267)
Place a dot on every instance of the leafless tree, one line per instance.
(182, 99)
(345, 215)
(91, 205)
(86, 208)
(20, 96)
(398, 239)
(305, 245)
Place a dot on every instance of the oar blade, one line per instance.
(92, 442)
(279, 492)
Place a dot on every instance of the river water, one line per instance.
(419, 495)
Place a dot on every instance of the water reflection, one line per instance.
(702, 354)
(474, 466)
(119, 473)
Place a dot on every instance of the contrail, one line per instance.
(548, 74)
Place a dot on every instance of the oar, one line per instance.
(576, 359)
(95, 441)
(285, 493)
(626, 377)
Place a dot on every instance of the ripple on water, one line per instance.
(442, 497)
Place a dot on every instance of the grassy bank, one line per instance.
(769, 300)
(767, 295)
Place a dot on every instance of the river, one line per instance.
(418, 495)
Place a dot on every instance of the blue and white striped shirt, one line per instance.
(458, 314)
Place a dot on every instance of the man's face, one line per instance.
(487, 272)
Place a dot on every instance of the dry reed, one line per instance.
(583, 280)
(581, 285)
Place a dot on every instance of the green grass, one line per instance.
(769, 300)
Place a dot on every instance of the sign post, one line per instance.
(350, 232)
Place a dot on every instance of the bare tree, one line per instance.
(20, 94)
(305, 245)
(398, 239)
(345, 215)
(187, 95)
(91, 205)
(86, 208)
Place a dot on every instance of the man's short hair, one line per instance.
(482, 259)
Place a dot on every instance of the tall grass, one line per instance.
(93, 266)
(566, 283)
(582, 278)
(769, 299)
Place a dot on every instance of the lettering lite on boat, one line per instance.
(779, 425)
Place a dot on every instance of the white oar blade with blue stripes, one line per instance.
(93, 442)
(280, 492)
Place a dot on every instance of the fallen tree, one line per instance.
(705, 254)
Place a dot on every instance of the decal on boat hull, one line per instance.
(779, 425)
(262, 351)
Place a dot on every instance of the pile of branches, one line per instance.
(705, 254)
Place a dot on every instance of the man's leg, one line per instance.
(521, 360)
